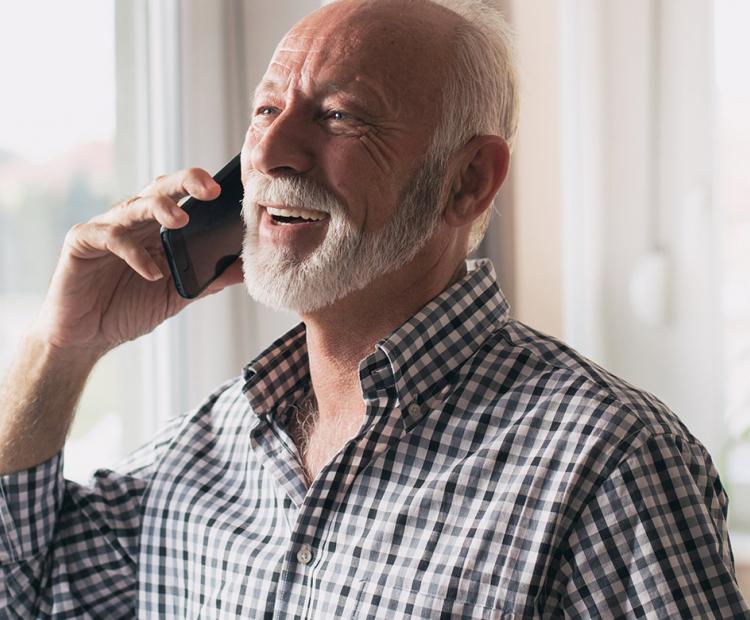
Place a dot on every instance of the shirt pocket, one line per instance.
(374, 602)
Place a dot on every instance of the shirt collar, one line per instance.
(420, 356)
(416, 360)
(280, 375)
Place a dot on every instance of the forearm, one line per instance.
(37, 401)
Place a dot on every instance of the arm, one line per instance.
(38, 398)
(652, 542)
(108, 288)
(66, 550)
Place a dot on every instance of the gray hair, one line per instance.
(480, 95)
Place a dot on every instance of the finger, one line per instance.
(120, 244)
(94, 240)
(194, 182)
(160, 208)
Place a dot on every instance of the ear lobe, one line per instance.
(482, 169)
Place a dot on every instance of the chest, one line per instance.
(404, 534)
(320, 438)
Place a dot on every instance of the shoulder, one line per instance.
(223, 413)
(557, 401)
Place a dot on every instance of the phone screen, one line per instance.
(212, 240)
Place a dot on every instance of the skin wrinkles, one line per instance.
(359, 38)
(379, 142)
(380, 152)
(357, 55)
(354, 91)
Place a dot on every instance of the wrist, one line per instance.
(72, 359)
(38, 398)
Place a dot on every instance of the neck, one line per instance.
(341, 335)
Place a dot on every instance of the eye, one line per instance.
(265, 110)
(337, 115)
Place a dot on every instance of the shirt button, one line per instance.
(414, 409)
(304, 555)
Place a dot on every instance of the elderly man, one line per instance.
(408, 450)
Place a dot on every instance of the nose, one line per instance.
(283, 146)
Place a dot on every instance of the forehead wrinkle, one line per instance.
(325, 81)
(297, 42)
(294, 62)
(285, 76)
(302, 49)
(327, 57)
(364, 94)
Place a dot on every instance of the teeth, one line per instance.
(304, 214)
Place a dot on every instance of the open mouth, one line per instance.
(290, 217)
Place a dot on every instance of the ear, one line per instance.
(481, 168)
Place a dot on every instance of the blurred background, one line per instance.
(624, 229)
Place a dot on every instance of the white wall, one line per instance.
(657, 193)
(536, 168)
(614, 164)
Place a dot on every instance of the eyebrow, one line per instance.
(263, 85)
(331, 88)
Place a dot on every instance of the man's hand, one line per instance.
(112, 282)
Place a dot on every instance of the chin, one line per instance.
(280, 282)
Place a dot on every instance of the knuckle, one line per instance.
(152, 187)
(116, 234)
(194, 174)
(161, 202)
(123, 205)
(127, 202)
(74, 233)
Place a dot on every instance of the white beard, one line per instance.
(347, 260)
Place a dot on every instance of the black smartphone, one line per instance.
(212, 240)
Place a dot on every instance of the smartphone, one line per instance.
(212, 240)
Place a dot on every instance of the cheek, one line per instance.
(252, 137)
(370, 193)
(247, 148)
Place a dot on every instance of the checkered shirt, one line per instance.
(498, 474)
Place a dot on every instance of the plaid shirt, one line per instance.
(498, 474)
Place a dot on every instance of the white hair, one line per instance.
(480, 94)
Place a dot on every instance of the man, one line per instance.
(408, 450)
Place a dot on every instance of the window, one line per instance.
(100, 97)
(57, 167)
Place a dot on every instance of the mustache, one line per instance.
(291, 191)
